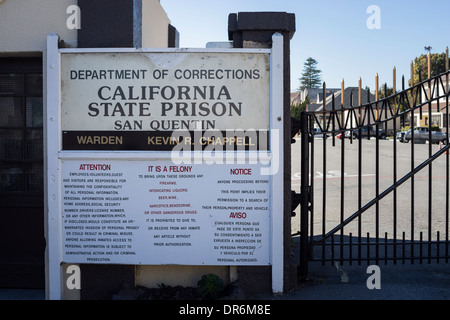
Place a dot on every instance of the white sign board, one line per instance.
(135, 101)
(154, 212)
(165, 91)
(168, 156)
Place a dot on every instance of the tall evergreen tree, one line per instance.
(311, 75)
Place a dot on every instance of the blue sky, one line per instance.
(334, 33)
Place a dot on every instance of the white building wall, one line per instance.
(25, 24)
(155, 25)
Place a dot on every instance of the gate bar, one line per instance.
(384, 193)
(304, 194)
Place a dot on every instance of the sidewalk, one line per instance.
(22, 294)
(398, 282)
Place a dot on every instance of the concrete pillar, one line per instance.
(106, 25)
(124, 24)
(255, 30)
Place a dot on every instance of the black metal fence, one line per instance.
(375, 177)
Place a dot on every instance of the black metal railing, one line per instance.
(389, 206)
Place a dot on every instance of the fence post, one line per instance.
(255, 30)
(304, 194)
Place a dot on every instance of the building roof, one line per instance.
(350, 93)
(295, 97)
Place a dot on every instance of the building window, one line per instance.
(21, 132)
(436, 120)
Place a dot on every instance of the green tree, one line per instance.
(297, 108)
(421, 64)
(386, 91)
(311, 75)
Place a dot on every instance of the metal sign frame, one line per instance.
(55, 155)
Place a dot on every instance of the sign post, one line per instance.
(164, 156)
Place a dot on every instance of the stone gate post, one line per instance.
(255, 30)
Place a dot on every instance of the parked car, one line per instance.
(339, 136)
(317, 133)
(365, 132)
(421, 134)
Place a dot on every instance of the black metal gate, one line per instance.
(375, 177)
